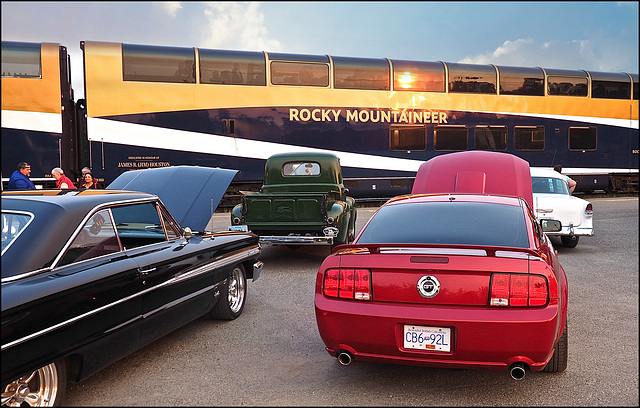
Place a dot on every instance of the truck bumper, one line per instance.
(296, 240)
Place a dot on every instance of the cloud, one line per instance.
(169, 7)
(575, 54)
(237, 25)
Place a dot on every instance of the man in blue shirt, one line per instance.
(20, 178)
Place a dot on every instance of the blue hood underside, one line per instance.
(191, 193)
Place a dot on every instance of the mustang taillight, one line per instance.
(348, 284)
(511, 289)
(589, 209)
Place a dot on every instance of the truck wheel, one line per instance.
(231, 302)
(44, 387)
(570, 241)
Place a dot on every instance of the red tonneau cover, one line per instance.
(475, 171)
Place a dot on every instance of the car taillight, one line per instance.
(348, 284)
(511, 289)
(589, 209)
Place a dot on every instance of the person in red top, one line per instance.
(88, 181)
(81, 182)
(62, 181)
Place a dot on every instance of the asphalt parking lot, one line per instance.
(272, 355)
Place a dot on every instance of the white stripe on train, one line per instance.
(35, 121)
(111, 131)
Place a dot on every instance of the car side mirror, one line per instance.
(187, 233)
(551, 225)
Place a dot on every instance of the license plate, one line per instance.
(239, 228)
(427, 338)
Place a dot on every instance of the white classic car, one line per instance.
(553, 201)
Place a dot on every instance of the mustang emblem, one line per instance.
(428, 286)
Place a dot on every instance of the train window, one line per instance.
(232, 67)
(283, 56)
(583, 138)
(610, 90)
(418, 76)
(567, 86)
(521, 81)
(636, 86)
(528, 137)
(21, 60)
(147, 63)
(407, 138)
(361, 73)
(450, 138)
(229, 127)
(299, 73)
(610, 85)
(471, 78)
(490, 137)
(566, 82)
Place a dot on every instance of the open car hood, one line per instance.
(475, 172)
(191, 193)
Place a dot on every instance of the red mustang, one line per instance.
(452, 275)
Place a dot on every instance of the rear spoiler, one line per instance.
(436, 249)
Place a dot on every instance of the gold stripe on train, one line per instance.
(36, 94)
(109, 95)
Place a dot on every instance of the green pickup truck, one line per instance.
(302, 201)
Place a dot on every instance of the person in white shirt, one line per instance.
(570, 182)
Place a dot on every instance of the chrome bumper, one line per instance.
(257, 268)
(296, 240)
(567, 231)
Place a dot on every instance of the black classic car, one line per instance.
(91, 276)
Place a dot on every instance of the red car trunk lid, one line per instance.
(464, 277)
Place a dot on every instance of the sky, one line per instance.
(594, 36)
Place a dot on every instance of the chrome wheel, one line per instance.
(231, 302)
(42, 388)
(236, 290)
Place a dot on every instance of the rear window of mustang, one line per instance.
(462, 223)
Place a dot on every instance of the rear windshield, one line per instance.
(301, 169)
(549, 185)
(12, 226)
(460, 223)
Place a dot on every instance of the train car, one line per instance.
(38, 111)
(154, 106)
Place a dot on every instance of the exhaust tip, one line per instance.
(345, 358)
(517, 371)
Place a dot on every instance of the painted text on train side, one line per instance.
(365, 115)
